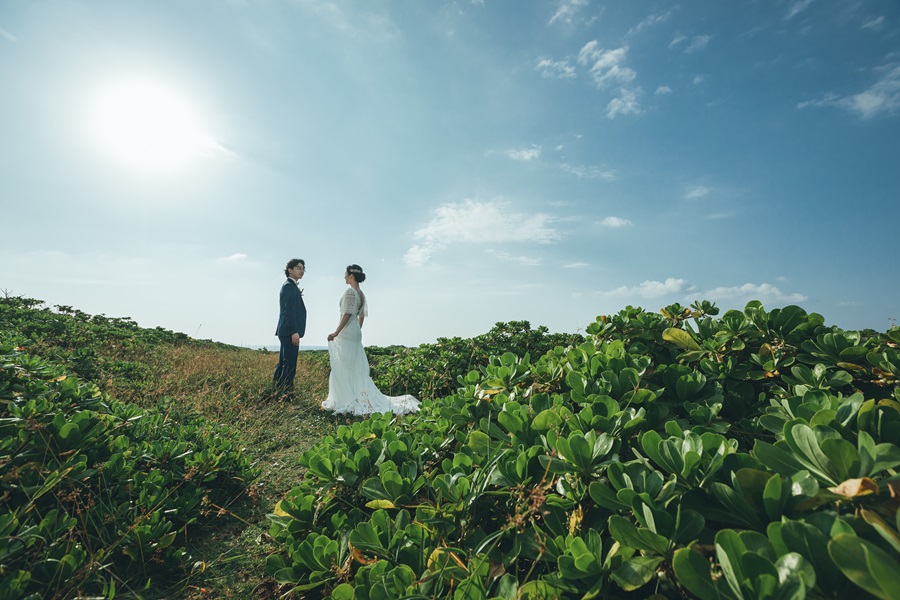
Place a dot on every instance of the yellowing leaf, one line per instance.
(853, 488)
(359, 557)
(280, 511)
(575, 520)
(380, 504)
(438, 559)
(680, 338)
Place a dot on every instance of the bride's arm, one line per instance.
(345, 318)
(362, 318)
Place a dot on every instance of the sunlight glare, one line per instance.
(147, 126)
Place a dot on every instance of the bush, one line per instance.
(749, 456)
(431, 370)
(95, 493)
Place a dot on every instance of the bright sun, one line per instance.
(147, 126)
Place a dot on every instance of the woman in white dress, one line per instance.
(350, 388)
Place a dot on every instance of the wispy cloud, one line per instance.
(7, 35)
(527, 261)
(649, 21)
(567, 10)
(588, 172)
(608, 71)
(698, 191)
(626, 104)
(606, 66)
(752, 291)
(616, 222)
(882, 97)
(475, 222)
(874, 24)
(662, 90)
(694, 44)
(555, 69)
(698, 43)
(576, 265)
(650, 289)
(796, 8)
(525, 154)
(236, 257)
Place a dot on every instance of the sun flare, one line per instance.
(147, 126)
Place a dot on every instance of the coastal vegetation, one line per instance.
(671, 454)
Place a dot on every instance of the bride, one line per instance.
(350, 388)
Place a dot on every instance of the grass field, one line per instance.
(229, 387)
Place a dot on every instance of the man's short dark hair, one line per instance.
(293, 263)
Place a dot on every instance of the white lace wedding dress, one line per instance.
(350, 388)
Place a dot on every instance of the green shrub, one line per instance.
(94, 493)
(748, 456)
(431, 370)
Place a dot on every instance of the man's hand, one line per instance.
(295, 339)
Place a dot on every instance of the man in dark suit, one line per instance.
(291, 327)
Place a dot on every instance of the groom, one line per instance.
(291, 327)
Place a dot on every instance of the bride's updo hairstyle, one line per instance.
(357, 273)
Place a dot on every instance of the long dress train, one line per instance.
(350, 388)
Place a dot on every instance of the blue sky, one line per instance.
(483, 161)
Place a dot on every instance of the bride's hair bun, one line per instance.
(357, 273)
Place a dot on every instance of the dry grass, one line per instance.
(231, 388)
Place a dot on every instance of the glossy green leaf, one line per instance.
(636, 572)
(694, 572)
(866, 565)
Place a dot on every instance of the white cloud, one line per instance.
(882, 97)
(606, 66)
(588, 172)
(874, 24)
(555, 69)
(527, 261)
(236, 257)
(525, 154)
(626, 104)
(474, 222)
(567, 10)
(662, 90)
(698, 79)
(752, 291)
(698, 191)
(417, 256)
(698, 43)
(797, 7)
(650, 289)
(677, 40)
(576, 265)
(649, 21)
(616, 222)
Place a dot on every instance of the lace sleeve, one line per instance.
(348, 302)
